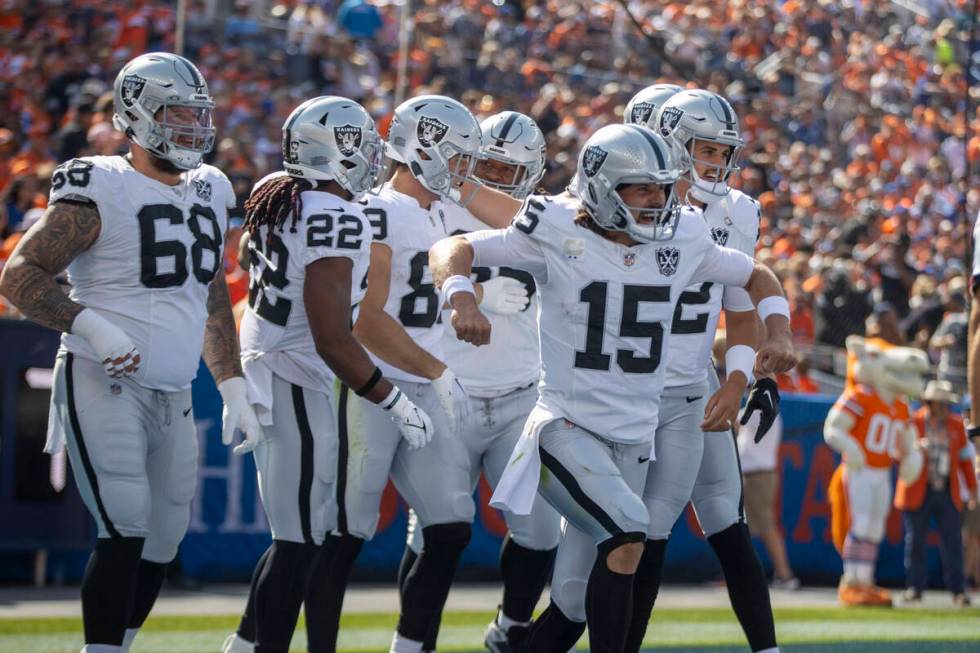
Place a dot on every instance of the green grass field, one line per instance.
(810, 630)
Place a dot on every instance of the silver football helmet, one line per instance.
(161, 102)
(628, 154)
(331, 137)
(437, 138)
(699, 115)
(642, 107)
(513, 139)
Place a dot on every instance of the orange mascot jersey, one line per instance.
(877, 425)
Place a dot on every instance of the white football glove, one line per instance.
(453, 399)
(238, 414)
(504, 295)
(412, 422)
(114, 348)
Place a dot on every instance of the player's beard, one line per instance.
(164, 166)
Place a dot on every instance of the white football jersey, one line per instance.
(409, 231)
(975, 281)
(606, 309)
(275, 327)
(512, 359)
(733, 221)
(149, 270)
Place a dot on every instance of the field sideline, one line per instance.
(803, 629)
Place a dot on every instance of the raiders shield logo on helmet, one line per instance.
(131, 89)
(348, 139)
(592, 160)
(720, 235)
(641, 113)
(667, 259)
(431, 131)
(203, 189)
(669, 117)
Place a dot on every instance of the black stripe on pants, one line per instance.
(306, 462)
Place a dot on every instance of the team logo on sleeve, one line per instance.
(669, 117)
(203, 189)
(592, 160)
(131, 89)
(431, 131)
(641, 113)
(719, 235)
(667, 259)
(348, 139)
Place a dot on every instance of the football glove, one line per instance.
(504, 295)
(764, 398)
(453, 399)
(111, 345)
(412, 422)
(238, 414)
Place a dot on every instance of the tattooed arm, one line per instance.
(65, 230)
(220, 338)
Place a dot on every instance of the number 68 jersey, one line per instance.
(606, 309)
(149, 270)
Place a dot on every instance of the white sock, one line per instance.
(235, 644)
(865, 573)
(128, 639)
(101, 648)
(774, 649)
(401, 644)
(506, 622)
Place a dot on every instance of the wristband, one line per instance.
(369, 385)
(740, 358)
(389, 402)
(457, 283)
(773, 305)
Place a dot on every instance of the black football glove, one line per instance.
(764, 398)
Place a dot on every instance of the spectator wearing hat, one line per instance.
(938, 493)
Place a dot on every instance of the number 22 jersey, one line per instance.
(149, 270)
(606, 309)
(275, 332)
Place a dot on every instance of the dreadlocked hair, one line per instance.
(271, 203)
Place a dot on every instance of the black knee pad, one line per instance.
(619, 539)
(449, 539)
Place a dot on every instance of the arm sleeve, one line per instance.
(510, 247)
(724, 265)
(850, 402)
(77, 180)
(323, 237)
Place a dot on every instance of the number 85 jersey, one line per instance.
(149, 270)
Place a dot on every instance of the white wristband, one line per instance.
(740, 358)
(389, 402)
(773, 305)
(457, 283)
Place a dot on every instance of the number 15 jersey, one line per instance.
(149, 270)
(606, 309)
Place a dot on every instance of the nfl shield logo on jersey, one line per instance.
(132, 87)
(348, 139)
(667, 258)
(203, 189)
(641, 113)
(431, 131)
(592, 160)
(669, 118)
(720, 235)
(629, 258)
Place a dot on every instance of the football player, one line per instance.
(309, 245)
(610, 264)
(501, 380)
(141, 237)
(973, 358)
(434, 142)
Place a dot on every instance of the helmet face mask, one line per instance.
(161, 103)
(438, 139)
(620, 156)
(330, 138)
(513, 154)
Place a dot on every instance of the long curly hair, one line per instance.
(273, 202)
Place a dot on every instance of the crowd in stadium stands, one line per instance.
(854, 114)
